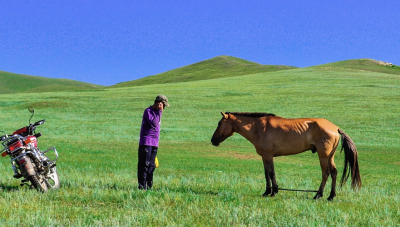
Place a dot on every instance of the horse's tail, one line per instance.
(350, 162)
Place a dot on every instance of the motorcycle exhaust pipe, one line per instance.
(46, 165)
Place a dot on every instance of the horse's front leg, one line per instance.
(270, 177)
(268, 180)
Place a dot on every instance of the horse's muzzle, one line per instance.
(215, 142)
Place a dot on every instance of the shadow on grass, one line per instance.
(9, 188)
(227, 194)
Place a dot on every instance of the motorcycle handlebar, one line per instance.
(39, 122)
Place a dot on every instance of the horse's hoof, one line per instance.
(267, 192)
(317, 196)
(274, 191)
(331, 196)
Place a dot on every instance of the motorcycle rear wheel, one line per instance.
(52, 180)
(37, 181)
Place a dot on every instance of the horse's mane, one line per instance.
(245, 114)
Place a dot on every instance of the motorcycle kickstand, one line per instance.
(23, 182)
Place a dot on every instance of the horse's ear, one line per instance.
(224, 115)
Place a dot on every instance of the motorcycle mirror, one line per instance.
(5, 135)
(32, 111)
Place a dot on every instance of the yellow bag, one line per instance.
(156, 161)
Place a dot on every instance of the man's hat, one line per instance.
(163, 99)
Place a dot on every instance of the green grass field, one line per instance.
(96, 134)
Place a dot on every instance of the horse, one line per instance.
(274, 136)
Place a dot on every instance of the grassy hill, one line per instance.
(96, 135)
(16, 83)
(218, 67)
(363, 65)
(226, 66)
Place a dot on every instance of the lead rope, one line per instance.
(296, 190)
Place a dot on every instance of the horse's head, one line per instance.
(223, 131)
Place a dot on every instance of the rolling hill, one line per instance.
(364, 65)
(218, 67)
(16, 83)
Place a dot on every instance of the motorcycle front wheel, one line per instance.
(52, 180)
(38, 183)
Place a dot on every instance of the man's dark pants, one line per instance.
(146, 166)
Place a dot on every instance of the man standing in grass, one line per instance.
(148, 143)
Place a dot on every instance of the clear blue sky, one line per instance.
(107, 42)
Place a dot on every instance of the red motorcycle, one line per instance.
(28, 161)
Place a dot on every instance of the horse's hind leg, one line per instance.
(326, 149)
(333, 171)
(325, 174)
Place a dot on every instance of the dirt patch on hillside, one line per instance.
(382, 63)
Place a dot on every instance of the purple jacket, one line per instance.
(150, 131)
